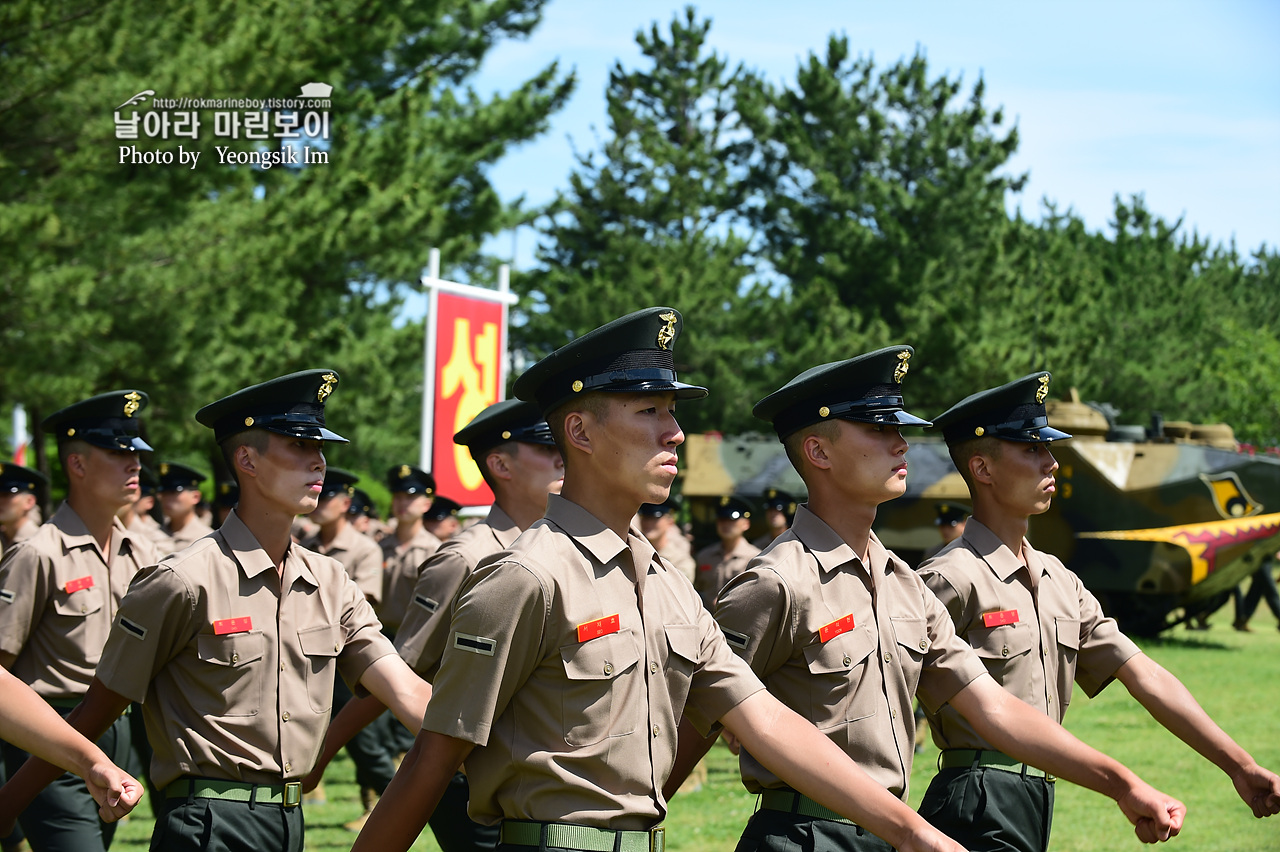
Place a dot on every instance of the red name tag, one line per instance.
(599, 627)
(74, 586)
(233, 625)
(830, 631)
(995, 619)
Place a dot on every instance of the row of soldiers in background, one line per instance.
(111, 492)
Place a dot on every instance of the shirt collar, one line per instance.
(76, 534)
(999, 558)
(585, 528)
(827, 547)
(504, 529)
(251, 556)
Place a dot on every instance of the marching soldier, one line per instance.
(658, 523)
(441, 520)
(59, 591)
(404, 553)
(225, 497)
(720, 562)
(572, 656)
(232, 645)
(512, 446)
(179, 496)
(1037, 630)
(19, 488)
(779, 510)
(844, 633)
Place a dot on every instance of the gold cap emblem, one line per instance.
(248, 421)
(71, 432)
(1043, 390)
(577, 385)
(724, 501)
(132, 402)
(328, 380)
(979, 431)
(164, 469)
(823, 411)
(506, 436)
(404, 471)
(900, 371)
(667, 333)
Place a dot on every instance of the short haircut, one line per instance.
(794, 443)
(69, 446)
(962, 451)
(596, 402)
(482, 461)
(259, 439)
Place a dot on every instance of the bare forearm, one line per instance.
(413, 793)
(31, 724)
(397, 687)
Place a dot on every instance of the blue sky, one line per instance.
(1179, 101)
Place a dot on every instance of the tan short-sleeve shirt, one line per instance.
(1034, 641)
(570, 671)
(676, 550)
(715, 568)
(58, 595)
(401, 564)
(192, 531)
(25, 531)
(845, 645)
(424, 632)
(234, 663)
(359, 555)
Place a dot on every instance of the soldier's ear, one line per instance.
(246, 459)
(814, 449)
(497, 464)
(980, 468)
(577, 430)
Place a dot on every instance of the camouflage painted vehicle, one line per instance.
(1160, 523)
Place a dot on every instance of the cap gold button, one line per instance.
(608, 668)
(285, 715)
(823, 411)
(70, 432)
(248, 421)
(577, 385)
(506, 435)
(979, 431)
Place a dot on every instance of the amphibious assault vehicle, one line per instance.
(1160, 522)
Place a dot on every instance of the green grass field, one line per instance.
(1236, 677)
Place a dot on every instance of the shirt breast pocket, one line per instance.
(1068, 630)
(682, 659)
(594, 704)
(230, 675)
(321, 646)
(82, 627)
(999, 646)
(913, 642)
(833, 680)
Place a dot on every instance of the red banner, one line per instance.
(469, 337)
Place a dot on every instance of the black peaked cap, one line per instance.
(291, 405)
(657, 510)
(338, 481)
(441, 508)
(106, 420)
(179, 477)
(632, 354)
(407, 479)
(1011, 412)
(732, 507)
(16, 479)
(865, 389)
(508, 420)
(779, 500)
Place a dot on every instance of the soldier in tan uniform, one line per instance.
(179, 493)
(1037, 630)
(779, 511)
(404, 553)
(845, 633)
(225, 497)
(59, 591)
(233, 644)
(720, 562)
(441, 520)
(19, 487)
(658, 523)
(573, 655)
(512, 446)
